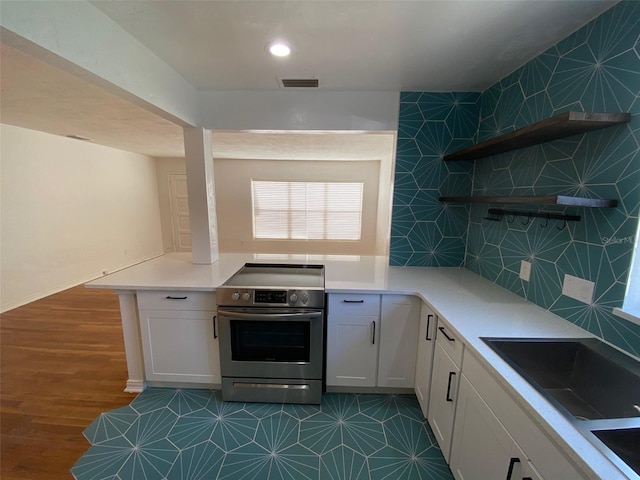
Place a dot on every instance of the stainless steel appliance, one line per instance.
(272, 330)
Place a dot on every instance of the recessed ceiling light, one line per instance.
(279, 49)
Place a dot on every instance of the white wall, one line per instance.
(235, 206)
(300, 110)
(69, 211)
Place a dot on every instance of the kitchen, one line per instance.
(494, 256)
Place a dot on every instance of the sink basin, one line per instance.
(624, 443)
(594, 385)
(586, 378)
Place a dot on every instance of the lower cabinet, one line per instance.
(482, 448)
(442, 398)
(180, 346)
(424, 356)
(353, 337)
(495, 439)
(399, 323)
(372, 340)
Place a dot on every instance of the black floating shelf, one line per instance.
(560, 126)
(496, 214)
(537, 200)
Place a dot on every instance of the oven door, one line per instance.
(271, 343)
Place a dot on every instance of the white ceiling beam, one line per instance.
(82, 40)
(300, 110)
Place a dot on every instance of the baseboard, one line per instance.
(135, 386)
(202, 386)
(39, 295)
(5, 307)
(378, 390)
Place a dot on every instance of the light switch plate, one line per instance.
(525, 270)
(578, 288)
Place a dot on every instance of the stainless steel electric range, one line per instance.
(272, 330)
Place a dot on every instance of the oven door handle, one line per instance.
(270, 316)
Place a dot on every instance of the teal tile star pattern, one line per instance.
(424, 232)
(597, 68)
(187, 434)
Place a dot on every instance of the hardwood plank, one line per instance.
(62, 364)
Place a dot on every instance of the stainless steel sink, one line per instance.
(594, 385)
(585, 377)
(625, 443)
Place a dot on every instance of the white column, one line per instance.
(132, 341)
(202, 202)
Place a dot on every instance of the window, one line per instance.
(307, 210)
(632, 299)
(303, 206)
(631, 307)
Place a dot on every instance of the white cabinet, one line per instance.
(399, 323)
(447, 361)
(442, 399)
(372, 340)
(482, 449)
(353, 336)
(491, 429)
(179, 337)
(424, 357)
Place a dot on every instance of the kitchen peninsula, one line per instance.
(468, 306)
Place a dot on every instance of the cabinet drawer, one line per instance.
(451, 342)
(176, 300)
(353, 304)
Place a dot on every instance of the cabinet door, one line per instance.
(442, 399)
(399, 322)
(482, 449)
(531, 473)
(352, 350)
(424, 357)
(179, 346)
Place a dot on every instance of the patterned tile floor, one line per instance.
(186, 434)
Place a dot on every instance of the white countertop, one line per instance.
(474, 306)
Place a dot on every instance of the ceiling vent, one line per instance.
(300, 82)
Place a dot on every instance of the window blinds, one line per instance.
(307, 210)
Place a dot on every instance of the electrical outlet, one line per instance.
(525, 270)
(578, 288)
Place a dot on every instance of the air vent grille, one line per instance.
(300, 82)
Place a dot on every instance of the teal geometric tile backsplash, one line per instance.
(595, 69)
(424, 232)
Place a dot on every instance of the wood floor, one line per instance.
(62, 364)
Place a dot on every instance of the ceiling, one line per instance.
(347, 45)
(41, 97)
(422, 45)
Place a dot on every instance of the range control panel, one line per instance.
(229, 296)
(270, 296)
